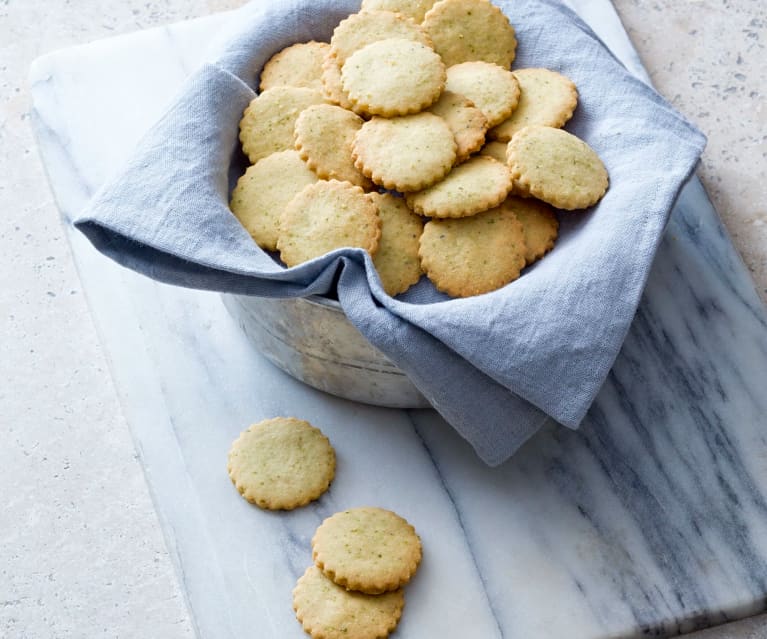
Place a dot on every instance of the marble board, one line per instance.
(649, 520)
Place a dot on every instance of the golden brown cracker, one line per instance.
(406, 153)
(415, 9)
(326, 216)
(368, 549)
(299, 65)
(264, 191)
(281, 463)
(328, 611)
(546, 97)
(492, 89)
(323, 136)
(464, 30)
(473, 255)
(557, 167)
(397, 260)
(393, 77)
(267, 124)
(539, 223)
(478, 184)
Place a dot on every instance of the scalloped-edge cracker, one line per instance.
(540, 225)
(299, 65)
(466, 121)
(492, 89)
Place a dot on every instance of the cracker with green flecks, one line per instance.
(329, 611)
(539, 223)
(281, 463)
(492, 89)
(466, 121)
(299, 65)
(557, 167)
(368, 549)
(415, 9)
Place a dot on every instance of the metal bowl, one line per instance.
(312, 340)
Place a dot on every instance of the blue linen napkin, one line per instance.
(496, 366)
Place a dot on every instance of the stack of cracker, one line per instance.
(409, 136)
(362, 559)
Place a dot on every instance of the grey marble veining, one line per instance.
(651, 519)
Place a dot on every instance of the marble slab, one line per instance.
(649, 520)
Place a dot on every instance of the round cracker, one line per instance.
(492, 89)
(407, 153)
(473, 255)
(539, 223)
(557, 167)
(281, 463)
(415, 9)
(476, 185)
(362, 29)
(328, 611)
(368, 549)
(464, 30)
(546, 97)
(393, 77)
(466, 121)
(397, 259)
(299, 65)
(495, 150)
(324, 134)
(263, 192)
(324, 217)
(267, 124)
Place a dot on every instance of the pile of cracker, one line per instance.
(363, 557)
(409, 136)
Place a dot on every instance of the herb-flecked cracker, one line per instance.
(299, 65)
(539, 223)
(326, 216)
(267, 124)
(557, 167)
(362, 29)
(331, 83)
(328, 611)
(281, 463)
(545, 97)
(406, 153)
(397, 260)
(415, 9)
(492, 89)
(263, 192)
(324, 135)
(478, 184)
(393, 77)
(464, 30)
(473, 255)
(466, 121)
(367, 549)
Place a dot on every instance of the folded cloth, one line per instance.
(496, 366)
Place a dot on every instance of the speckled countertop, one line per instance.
(81, 552)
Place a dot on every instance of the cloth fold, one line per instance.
(496, 366)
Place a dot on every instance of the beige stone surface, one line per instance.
(81, 552)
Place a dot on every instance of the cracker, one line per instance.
(393, 77)
(331, 83)
(557, 167)
(324, 134)
(492, 89)
(473, 255)
(267, 124)
(495, 150)
(407, 153)
(362, 29)
(367, 549)
(539, 223)
(324, 217)
(464, 30)
(546, 97)
(397, 260)
(299, 65)
(476, 185)
(415, 9)
(264, 191)
(466, 121)
(328, 611)
(281, 463)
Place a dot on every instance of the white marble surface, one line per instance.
(652, 518)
